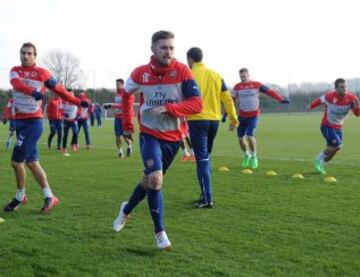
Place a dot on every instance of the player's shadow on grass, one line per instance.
(145, 252)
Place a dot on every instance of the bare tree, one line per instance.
(66, 67)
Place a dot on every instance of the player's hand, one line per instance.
(309, 108)
(37, 95)
(4, 121)
(285, 101)
(84, 104)
(158, 110)
(233, 125)
(107, 106)
(355, 104)
(223, 118)
(128, 135)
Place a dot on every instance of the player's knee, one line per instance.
(16, 165)
(155, 180)
(32, 165)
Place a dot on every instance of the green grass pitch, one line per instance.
(260, 225)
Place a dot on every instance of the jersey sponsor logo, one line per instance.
(248, 100)
(336, 114)
(26, 103)
(155, 96)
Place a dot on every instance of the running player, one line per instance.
(117, 122)
(246, 93)
(9, 115)
(167, 93)
(337, 104)
(55, 115)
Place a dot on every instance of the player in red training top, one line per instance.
(83, 118)
(9, 115)
(246, 93)
(168, 92)
(55, 115)
(118, 122)
(29, 82)
(337, 104)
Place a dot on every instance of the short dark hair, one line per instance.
(29, 44)
(120, 81)
(195, 53)
(244, 70)
(69, 89)
(161, 35)
(339, 81)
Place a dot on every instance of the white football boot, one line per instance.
(162, 241)
(121, 219)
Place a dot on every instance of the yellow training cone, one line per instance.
(330, 179)
(224, 168)
(2, 220)
(247, 171)
(271, 173)
(298, 176)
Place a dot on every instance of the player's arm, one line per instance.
(51, 83)
(273, 94)
(191, 104)
(228, 103)
(7, 113)
(317, 102)
(112, 106)
(355, 106)
(18, 84)
(127, 106)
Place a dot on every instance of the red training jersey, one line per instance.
(337, 107)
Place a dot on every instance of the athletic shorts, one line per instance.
(157, 154)
(28, 132)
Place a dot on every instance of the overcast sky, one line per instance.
(279, 41)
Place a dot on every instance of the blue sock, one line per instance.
(137, 196)
(204, 176)
(155, 205)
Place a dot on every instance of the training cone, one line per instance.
(271, 173)
(330, 179)
(224, 168)
(298, 176)
(2, 220)
(247, 171)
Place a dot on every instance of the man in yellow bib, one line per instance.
(203, 126)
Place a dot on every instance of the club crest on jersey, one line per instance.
(173, 73)
(145, 77)
(150, 163)
(33, 74)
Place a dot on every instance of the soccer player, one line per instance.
(29, 82)
(337, 104)
(246, 93)
(55, 114)
(118, 122)
(83, 117)
(167, 93)
(70, 121)
(9, 115)
(98, 114)
(203, 126)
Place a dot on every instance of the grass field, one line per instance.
(260, 225)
